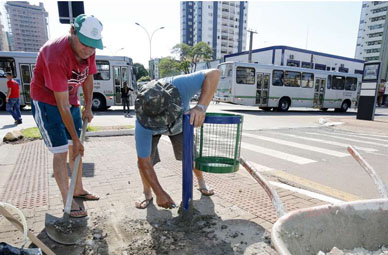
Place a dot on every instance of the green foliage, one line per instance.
(139, 70)
(191, 55)
(169, 67)
(144, 78)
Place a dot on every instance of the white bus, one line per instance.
(113, 72)
(279, 87)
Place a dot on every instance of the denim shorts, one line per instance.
(53, 131)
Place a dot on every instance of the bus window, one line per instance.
(226, 70)
(103, 70)
(7, 65)
(292, 79)
(307, 80)
(329, 82)
(338, 82)
(277, 78)
(351, 83)
(245, 75)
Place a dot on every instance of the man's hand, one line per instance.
(197, 116)
(87, 113)
(165, 201)
(78, 148)
(6, 99)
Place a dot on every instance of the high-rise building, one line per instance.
(27, 25)
(222, 25)
(371, 29)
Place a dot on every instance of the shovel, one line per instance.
(68, 230)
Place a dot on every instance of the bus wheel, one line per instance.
(284, 104)
(98, 103)
(266, 109)
(2, 102)
(324, 109)
(344, 106)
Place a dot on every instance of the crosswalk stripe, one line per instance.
(344, 145)
(269, 152)
(299, 145)
(368, 135)
(363, 137)
(277, 154)
(347, 139)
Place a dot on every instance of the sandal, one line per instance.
(206, 192)
(87, 196)
(74, 213)
(143, 204)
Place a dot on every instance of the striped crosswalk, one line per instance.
(303, 147)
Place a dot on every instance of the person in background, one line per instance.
(385, 95)
(63, 65)
(12, 99)
(125, 91)
(380, 93)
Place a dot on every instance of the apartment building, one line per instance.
(27, 25)
(222, 25)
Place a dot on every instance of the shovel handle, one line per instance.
(273, 195)
(77, 160)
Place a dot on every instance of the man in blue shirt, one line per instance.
(159, 109)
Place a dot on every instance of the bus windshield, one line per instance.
(226, 70)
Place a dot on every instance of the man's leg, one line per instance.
(10, 108)
(17, 110)
(62, 179)
(53, 132)
(147, 190)
(177, 143)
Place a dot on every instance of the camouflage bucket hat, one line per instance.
(158, 105)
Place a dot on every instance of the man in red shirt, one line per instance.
(63, 65)
(12, 99)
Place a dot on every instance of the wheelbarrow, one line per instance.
(345, 225)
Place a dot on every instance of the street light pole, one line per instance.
(149, 37)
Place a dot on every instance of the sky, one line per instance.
(325, 26)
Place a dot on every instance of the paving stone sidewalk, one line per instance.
(110, 170)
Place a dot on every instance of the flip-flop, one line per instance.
(206, 192)
(77, 215)
(144, 204)
(87, 196)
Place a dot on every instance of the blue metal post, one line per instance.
(187, 162)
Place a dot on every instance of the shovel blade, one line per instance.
(65, 230)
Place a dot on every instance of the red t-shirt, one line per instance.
(14, 86)
(57, 70)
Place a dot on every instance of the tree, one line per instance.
(139, 70)
(168, 67)
(144, 78)
(191, 55)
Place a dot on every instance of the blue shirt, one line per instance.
(187, 86)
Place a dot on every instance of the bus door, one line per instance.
(262, 88)
(120, 80)
(319, 92)
(26, 71)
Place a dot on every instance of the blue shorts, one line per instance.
(53, 131)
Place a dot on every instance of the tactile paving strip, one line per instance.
(27, 186)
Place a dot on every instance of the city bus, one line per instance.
(113, 72)
(280, 87)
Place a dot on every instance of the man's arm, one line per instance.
(87, 89)
(209, 87)
(62, 99)
(148, 172)
(8, 94)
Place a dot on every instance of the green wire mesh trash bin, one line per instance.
(217, 143)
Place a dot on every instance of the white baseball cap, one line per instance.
(88, 29)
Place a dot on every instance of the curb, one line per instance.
(111, 133)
